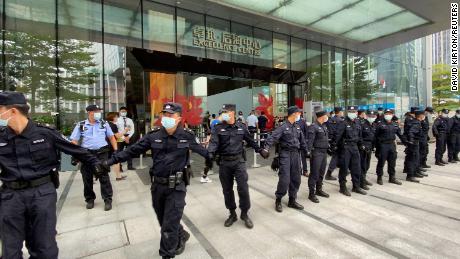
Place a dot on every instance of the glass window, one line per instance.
(159, 27)
(30, 54)
(191, 33)
(298, 54)
(326, 80)
(114, 77)
(339, 68)
(80, 19)
(242, 56)
(265, 57)
(218, 39)
(314, 71)
(281, 51)
(122, 23)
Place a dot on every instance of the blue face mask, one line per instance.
(168, 123)
(97, 116)
(225, 117)
(352, 115)
(4, 122)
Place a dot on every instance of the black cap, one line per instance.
(388, 111)
(338, 109)
(293, 109)
(429, 109)
(320, 113)
(413, 109)
(229, 107)
(457, 111)
(361, 111)
(419, 112)
(352, 108)
(371, 112)
(380, 109)
(10, 98)
(171, 107)
(93, 107)
(446, 111)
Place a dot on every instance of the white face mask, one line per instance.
(445, 115)
(97, 116)
(4, 122)
(325, 120)
(458, 115)
(297, 118)
(352, 115)
(388, 117)
(123, 114)
(380, 112)
(371, 120)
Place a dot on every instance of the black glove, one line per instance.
(208, 163)
(275, 164)
(307, 154)
(264, 153)
(74, 161)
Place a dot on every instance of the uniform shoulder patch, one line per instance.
(46, 125)
(155, 129)
(189, 131)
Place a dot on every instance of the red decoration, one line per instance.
(191, 108)
(266, 106)
(298, 102)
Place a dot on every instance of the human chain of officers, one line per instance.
(29, 159)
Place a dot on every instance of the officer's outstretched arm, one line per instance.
(139, 148)
(196, 147)
(213, 141)
(82, 154)
(250, 140)
(274, 137)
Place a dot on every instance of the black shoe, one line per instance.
(90, 204)
(421, 169)
(452, 161)
(439, 163)
(278, 206)
(394, 180)
(329, 176)
(422, 173)
(364, 187)
(344, 190)
(412, 179)
(321, 193)
(418, 175)
(293, 204)
(231, 219)
(247, 221)
(366, 182)
(108, 205)
(313, 197)
(182, 240)
(379, 180)
(358, 190)
(426, 166)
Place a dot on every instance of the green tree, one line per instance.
(443, 97)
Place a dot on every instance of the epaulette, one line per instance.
(189, 131)
(46, 125)
(155, 129)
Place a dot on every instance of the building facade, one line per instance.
(66, 54)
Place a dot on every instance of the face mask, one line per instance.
(371, 120)
(380, 112)
(168, 123)
(352, 115)
(327, 118)
(388, 117)
(445, 115)
(297, 118)
(97, 116)
(4, 123)
(225, 117)
(123, 114)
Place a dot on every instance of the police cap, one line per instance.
(429, 109)
(389, 111)
(93, 107)
(293, 109)
(413, 109)
(352, 108)
(320, 113)
(10, 98)
(371, 112)
(446, 111)
(380, 109)
(337, 109)
(171, 107)
(419, 112)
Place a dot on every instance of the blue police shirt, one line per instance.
(94, 135)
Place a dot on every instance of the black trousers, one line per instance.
(318, 163)
(365, 156)
(441, 144)
(29, 215)
(169, 204)
(304, 162)
(289, 174)
(87, 172)
(121, 147)
(228, 172)
(387, 153)
(350, 159)
(453, 145)
(333, 162)
(423, 149)
(413, 159)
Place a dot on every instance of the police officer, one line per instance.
(93, 134)
(440, 130)
(413, 135)
(348, 139)
(170, 145)
(366, 120)
(408, 123)
(318, 143)
(303, 126)
(292, 142)
(454, 137)
(424, 147)
(29, 158)
(385, 136)
(331, 126)
(226, 147)
(380, 115)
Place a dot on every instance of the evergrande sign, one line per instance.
(225, 41)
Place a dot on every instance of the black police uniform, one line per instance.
(423, 144)
(318, 143)
(226, 146)
(385, 135)
(347, 138)
(303, 126)
(291, 142)
(170, 155)
(412, 135)
(454, 138)
(440, 130)
(365, 152)
(331, 127)
(409, 122)
(29, 163)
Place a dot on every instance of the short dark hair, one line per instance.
(123, 108)
(111, 115)
(22, 108)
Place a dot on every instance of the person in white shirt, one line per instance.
(125, 125)
(252, 122)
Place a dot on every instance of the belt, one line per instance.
(230, 157)
(19, 185)
(172, 180)
(290, 149)
(101, 150)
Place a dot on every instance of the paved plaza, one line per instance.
(408, 221)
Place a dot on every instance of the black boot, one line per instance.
(231, 219)
(421, 169)
(439, 163)
(379, 180)
(412, 179)
(418, 175)
(329, 176)
(363, 186)
(108, 205)
(182, 240)
(452, 161)
(358, 190)
(90, 204)
(425, 166)
(278, 206)
(312, 196)
(293, 204)
(394, 180)
(344, 190)
(247, 221)
(320, 192)
(422, 173)
(366, 182)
